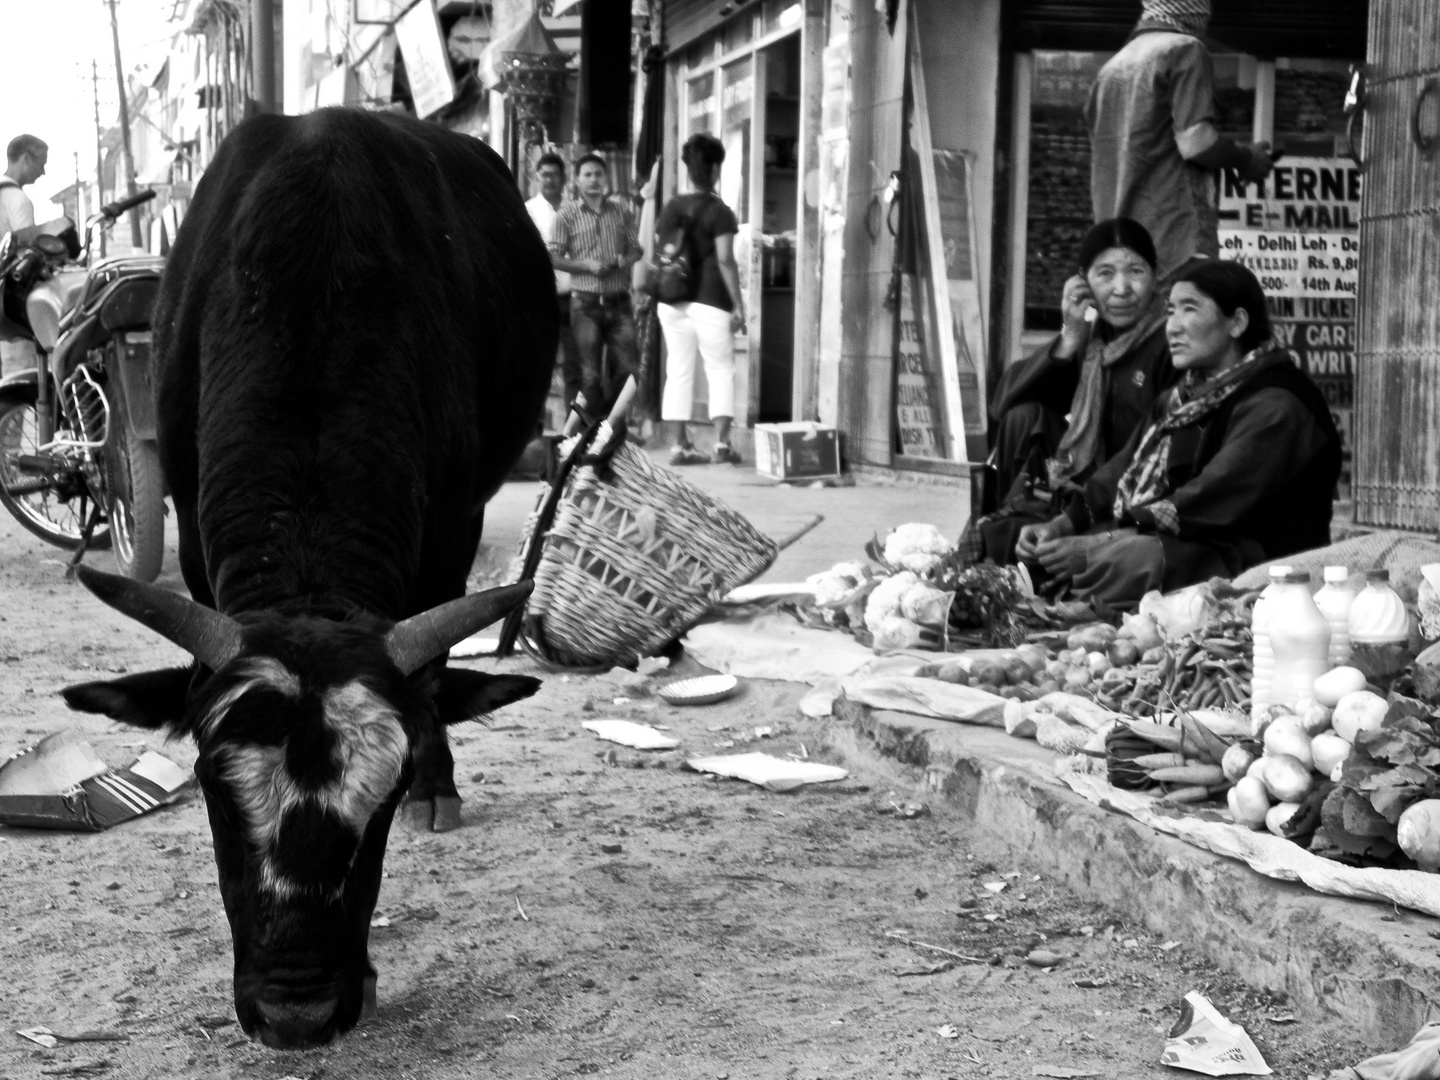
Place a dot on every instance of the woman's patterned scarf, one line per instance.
(1146, 479)
(1080, 446)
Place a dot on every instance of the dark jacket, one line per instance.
(1254, 479)
(1135, 381)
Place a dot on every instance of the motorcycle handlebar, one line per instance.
(115, 209)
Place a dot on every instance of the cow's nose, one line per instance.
(292, 1025)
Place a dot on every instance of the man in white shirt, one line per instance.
(27, 157)
(543, 210)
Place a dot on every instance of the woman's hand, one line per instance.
(1075, 300)
(737, 320)
(1066, 557)
(1032, 537)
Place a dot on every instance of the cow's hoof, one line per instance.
(418, 814)
(447, 813)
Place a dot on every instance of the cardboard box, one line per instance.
(61, 783)
(796, 451)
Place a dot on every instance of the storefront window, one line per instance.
(737, 33)
(701, 107)
(782, 15)
(737, 94)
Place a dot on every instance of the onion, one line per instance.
(1256, 769)
(1357, 712)
(1287, 736)
(1327, 751)
(1248, 801)
(1287, 778)
(1279, 815)
(1336, 683)
(1236, 761)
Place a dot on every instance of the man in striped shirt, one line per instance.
(595, 242)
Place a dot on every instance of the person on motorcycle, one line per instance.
(27, 156)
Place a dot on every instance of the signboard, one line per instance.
(1299, 232)
(919, 419)
(427, 65)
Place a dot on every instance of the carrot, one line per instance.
(1158, 761)
(1162, 735)
(1193, 774)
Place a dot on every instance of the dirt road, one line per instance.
(603, 911)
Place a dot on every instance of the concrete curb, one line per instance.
(1374, 968)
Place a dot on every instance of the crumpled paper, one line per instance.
(1419, 1060)
(1203, 1041)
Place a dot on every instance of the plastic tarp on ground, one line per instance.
(775, 646)
(1272, 856)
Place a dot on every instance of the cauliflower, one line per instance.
(926, 604)
(885, 598)
(895, 632)
(835, 587)
(916, 547)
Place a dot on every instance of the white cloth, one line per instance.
(543, 214)
(695, 332)
(16, 209)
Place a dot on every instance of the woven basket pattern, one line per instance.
(633, 561)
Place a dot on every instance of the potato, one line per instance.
(987, 671)
(1091, 638)
(1017, 672)
(1047, 685)
(1077, 677)
(1034, 657)
(989, 688)
(1055, 670)
(1123, 653)
(953, 673)
(928, 671)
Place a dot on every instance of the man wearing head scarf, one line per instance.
(1154, 150)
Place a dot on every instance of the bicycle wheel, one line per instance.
(32, 500)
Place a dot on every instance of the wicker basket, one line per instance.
(632, 561)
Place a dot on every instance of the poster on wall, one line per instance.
(919, 408)
(1299, 231)
(427, 65)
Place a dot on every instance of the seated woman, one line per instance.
(1104, 369)
(1106, 366)
(1236, 465)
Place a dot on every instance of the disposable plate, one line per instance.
(703, 690)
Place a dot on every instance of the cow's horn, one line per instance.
(211, 637)
(420, 638)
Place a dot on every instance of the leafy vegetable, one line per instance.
(1390, 769)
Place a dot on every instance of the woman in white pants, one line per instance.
(703, 327)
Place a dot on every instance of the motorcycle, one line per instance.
(79, 463)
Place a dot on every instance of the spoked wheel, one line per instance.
(38, 502)
(137, 516)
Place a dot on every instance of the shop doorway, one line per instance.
(779, 207)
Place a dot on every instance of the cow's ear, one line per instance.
(464, 695)
(150, 699)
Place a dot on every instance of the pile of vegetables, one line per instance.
(1207, 653)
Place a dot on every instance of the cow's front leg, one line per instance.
(433, 803)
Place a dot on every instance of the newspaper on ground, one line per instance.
(772, 773)
(1203, 1041)
(629, 733)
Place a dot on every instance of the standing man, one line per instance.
(595, 242)
(1154, 150)
(26, 158)
(543, 210)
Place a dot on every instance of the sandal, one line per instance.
(725, 454)
(688, 455)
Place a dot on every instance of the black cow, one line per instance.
(353, 342)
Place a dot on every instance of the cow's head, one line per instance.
(306, 729)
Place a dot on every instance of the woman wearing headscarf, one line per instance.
(1234, 466)
(1103, 370)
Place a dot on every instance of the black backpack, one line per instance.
(675, 276)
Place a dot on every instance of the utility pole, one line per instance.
(135, 236)
(99, 147)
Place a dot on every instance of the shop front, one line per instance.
(740, 76)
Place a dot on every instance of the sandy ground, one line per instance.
(603, 911)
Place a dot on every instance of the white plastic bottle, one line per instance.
(1334, 600)
(1378, 615)
(1299, 639)
(1263, 663)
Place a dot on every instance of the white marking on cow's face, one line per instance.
(258, 672)
(370, 751)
